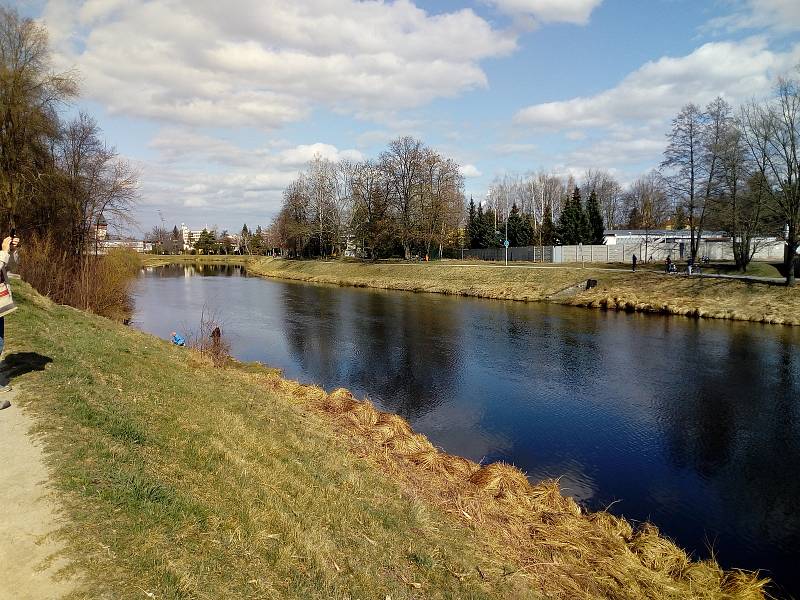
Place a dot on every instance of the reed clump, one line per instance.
(554, 543)
(100, 284)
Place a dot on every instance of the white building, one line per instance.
(190, 236)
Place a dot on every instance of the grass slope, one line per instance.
(184, 481)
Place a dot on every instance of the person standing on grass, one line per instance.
(633, 260)
(8, 251)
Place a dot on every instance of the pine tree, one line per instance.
(547, 232)
(595, 218)
(479, 235)
(490, 235)
(573, 224)
(515, 227)
(471, 232)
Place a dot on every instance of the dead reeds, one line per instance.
(567, 552)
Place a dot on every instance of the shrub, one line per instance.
(100, 284)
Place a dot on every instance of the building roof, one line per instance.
(661, 233)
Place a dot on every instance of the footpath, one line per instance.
(29, 552)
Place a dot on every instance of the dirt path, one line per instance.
(28, 514)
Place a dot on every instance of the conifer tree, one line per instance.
(595, 219)
(471, 232)
(516, 227)
(573, 224)
(547, 233)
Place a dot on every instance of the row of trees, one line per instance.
(577, 223)
(739, 170)
(57, 177)
(411, 199)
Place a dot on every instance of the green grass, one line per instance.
(184, 481)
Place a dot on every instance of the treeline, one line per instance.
(410, 200)
(57, 176)
(577, 223)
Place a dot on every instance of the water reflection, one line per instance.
(693, 424)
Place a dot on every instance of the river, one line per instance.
(692, 424)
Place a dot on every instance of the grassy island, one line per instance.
(181, 480)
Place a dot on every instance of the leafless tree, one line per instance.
(401, 164)
(609, 195)
(772, 135)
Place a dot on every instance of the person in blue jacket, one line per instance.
(177, 339)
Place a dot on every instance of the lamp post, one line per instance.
(505, 242)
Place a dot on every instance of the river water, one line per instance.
(692, 424)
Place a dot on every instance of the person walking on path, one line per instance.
(7, 252)
(633, 260)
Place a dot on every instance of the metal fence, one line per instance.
(518, 253)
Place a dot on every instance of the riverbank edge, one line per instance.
(617, 289)
(555, 544)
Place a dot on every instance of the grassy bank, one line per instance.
(179, 480)
(644, 291)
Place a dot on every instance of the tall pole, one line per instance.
(505, 242)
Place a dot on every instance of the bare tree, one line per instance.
(401, 164)
(647, 206)
(609, 195)
(772, 135)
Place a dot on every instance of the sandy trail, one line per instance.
(28, 514)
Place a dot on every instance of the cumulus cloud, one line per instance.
(658, 89)
(550, 11)
(198, 178)
(624, 126)
(267, 63)
(469, 171)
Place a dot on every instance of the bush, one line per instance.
(100, 284)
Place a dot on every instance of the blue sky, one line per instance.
(220, 104)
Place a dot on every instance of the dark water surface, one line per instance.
(694, 425)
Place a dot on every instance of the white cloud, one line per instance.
(302, 154)
(470, 171)
(659, 88)
(780, 15)
(550, 11)
(265, 63)
(200, 178)
(506, 149)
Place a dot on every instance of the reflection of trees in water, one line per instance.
(397, 347)
(740, 432)
(206, 270)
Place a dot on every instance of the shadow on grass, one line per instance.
(19, 363)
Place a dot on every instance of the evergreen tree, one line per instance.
(490, 236)
(480, 236)
(516, 228)
(595, 218)
(527, 232)
(471, 222)
(548, 230)
(573, 224)
(206, 242)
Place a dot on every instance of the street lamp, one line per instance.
(505, 242)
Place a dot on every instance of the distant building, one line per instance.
(101, 228)
(190, 236)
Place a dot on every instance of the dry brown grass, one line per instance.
(99, 284)
(562, 550)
